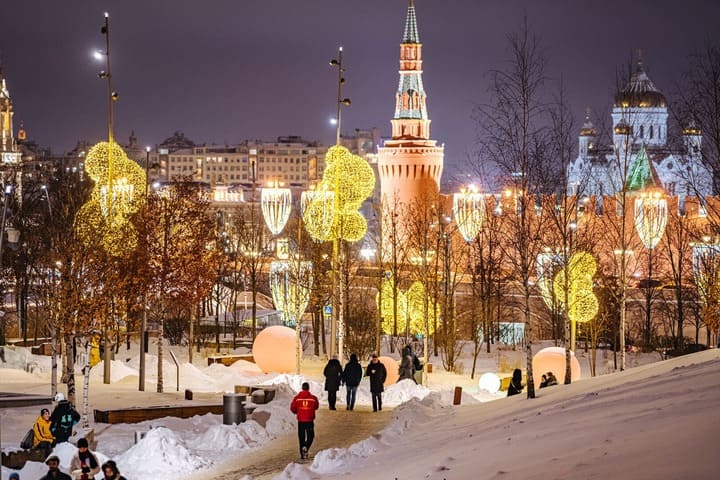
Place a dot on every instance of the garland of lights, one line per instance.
(583, 304)
(410, 307)
(469, 209)
(546, 265)
(105, 217)
(276, 204)
(290, 286)
(350, 180)
(651, 211)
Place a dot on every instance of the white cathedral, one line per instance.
(640, 134)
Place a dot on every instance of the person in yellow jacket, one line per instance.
(43, 438)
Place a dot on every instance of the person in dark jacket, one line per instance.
(303, 406)
(352, 374)
(406, 369)
(111, 472)
(62, 419)
(377, 374)
(516, 386)
(54, 473)
(333, 379)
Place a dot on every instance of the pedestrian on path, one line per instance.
(333, 379)
(304, 405)
(352, 374)
(406, 370)
(377, 373)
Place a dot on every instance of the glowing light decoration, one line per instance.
(469, 209)
(410, 308)
(318, 209)
(552, 359)
(546, 265)
(105, 216)
(489, 382)
(651, 211)
(582, 303)
(351, 180)
(276, 204)
(290, 285)
(274, 349)
(706, 270)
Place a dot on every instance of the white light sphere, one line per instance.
(489, 382)
(552, 359)
(391, 365)
(275, 349)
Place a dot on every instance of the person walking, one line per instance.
(333, 379)
(54, 473)
(111, 472)
(43, 439)
(406, 370)
(303, 406)
(516, 386)
(377, 373)
(62, 419)
(84, 465)
(352, 374)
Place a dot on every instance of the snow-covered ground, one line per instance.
(606, 424)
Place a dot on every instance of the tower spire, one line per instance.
(411, 31)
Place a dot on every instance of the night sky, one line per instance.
(223, 71)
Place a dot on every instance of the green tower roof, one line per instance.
(641, 174)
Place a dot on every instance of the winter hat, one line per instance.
(82, 443)
(14, 476)
(52, 458)
(44, 411)
(306, 386)
(59, 397)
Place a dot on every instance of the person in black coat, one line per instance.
(54, 472)
(516, 386)
(333, 379)
(351, 376)
(377, 373)
(62, 419)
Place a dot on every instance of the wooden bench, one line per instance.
(140, 414)
(228, 360)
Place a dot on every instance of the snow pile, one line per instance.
(230, 437)
(403, 391)
(161, 454)
(118, 371)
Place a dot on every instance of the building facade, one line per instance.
(639, 128)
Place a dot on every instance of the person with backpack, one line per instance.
(62, 419)
(405, 370)
(351, 376)
(43, 439)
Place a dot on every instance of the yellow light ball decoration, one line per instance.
(409, 307)
(116, 195)
(350, 180)
(583, 304)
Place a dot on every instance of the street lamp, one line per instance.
(340, 101)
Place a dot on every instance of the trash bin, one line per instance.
(233, 408)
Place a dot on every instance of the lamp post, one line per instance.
(143, 319)
(340, 101)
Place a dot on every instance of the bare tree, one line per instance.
(512, 135)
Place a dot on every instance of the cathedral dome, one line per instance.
(640, 92)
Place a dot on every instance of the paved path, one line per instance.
(339, 429)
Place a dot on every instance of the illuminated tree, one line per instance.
(577, 277)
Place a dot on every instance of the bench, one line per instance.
(140, 414)
(228, 360)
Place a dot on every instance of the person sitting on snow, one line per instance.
(43, 439)
(551, 380)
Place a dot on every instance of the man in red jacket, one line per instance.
(304, 405)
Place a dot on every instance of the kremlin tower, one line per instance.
(410, 164)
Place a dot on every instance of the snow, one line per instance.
(662, 411)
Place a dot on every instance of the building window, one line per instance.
(651, 132)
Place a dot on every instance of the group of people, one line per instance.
(516, 386)
(53, 428)
(336, 376)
